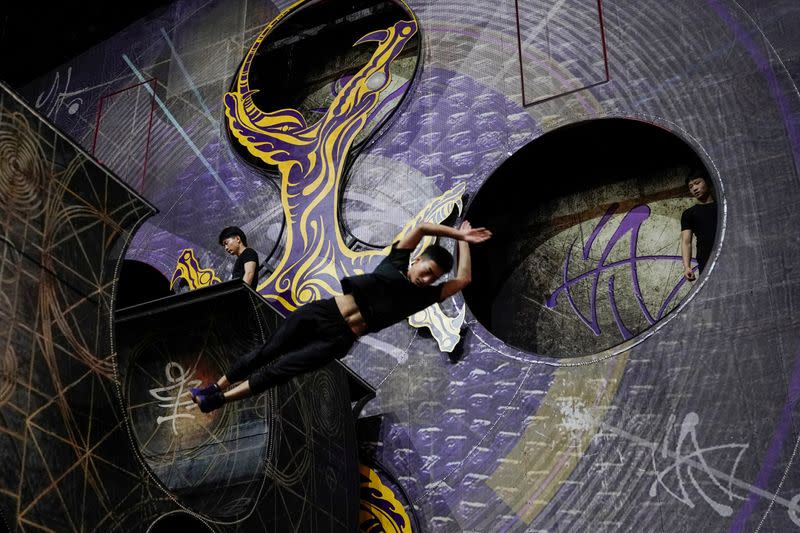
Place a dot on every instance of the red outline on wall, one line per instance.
(547, 98)
(149, 121)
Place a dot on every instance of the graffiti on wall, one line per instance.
(175, 396)
(311, 161)
(630, 225)
(59, 96)
(693, 474)
(189, 272)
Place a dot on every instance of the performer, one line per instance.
(234, 241)
(700, 221)
(325, 330)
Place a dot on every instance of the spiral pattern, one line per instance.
(289, 461)
(8, 370)
(22, 171)
(327, 413)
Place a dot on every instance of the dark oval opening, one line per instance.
(309, 55)
(586, 248)
(140, 282)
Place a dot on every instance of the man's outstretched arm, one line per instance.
(464, 272)
(464, 233)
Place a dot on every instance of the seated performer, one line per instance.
(324, 330)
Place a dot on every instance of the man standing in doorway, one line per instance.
(699, 221)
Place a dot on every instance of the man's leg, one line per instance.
(289, 365)
(297, 362)
(285, 338)
(310, 338)
(288, 335)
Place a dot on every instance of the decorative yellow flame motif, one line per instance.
(188, 268)
(381, 511)
(446, 330)
(311, 161)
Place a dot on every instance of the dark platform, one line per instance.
(290, 454)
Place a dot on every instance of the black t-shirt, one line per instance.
(238, 267)
(702, 220)
(386, 295)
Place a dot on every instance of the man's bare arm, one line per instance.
(249, 272)
(470, 234)
(463, 275)
(686, 254)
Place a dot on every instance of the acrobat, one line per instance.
(324, 330)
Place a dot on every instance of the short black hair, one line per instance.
(695, 173)
(441, 256)
(232, 231)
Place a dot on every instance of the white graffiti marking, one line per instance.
(172, 394)
(685, 466)
(695, 462)
(57, 97)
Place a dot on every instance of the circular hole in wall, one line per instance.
(586, 251)
(140, 282)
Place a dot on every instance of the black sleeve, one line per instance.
(398, 258)
(436, 294)
(424, 297)
(686, 220)
(249, 255)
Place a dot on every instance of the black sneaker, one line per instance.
(205, 391)
(210, 402)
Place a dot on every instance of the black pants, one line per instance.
(309, 338)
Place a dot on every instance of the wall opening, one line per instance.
(586, 252)
(140, 282)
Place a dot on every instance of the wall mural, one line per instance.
(681, 415)
(380, 508)
(64, 224)
(311, 161)
(259, 464)
(593, 258)
(629, 227)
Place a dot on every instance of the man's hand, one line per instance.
(689, 274)
(473, 235)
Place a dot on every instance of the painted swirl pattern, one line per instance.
(188, 269)
(311, 160)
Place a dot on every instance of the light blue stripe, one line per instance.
(178, 127)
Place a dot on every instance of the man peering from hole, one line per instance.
(700, 222)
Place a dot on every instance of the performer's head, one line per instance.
(233, 240)
(433, 263)
(699, 186)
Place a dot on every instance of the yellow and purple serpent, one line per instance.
(310, 160)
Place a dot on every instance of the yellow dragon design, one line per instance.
(310, 159)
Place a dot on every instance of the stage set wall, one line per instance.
(665, 406)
